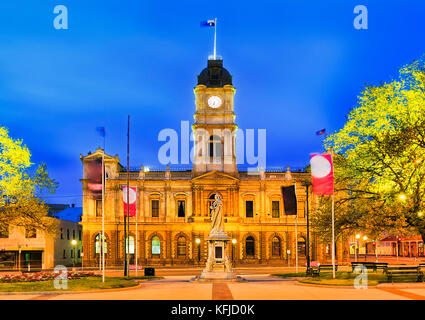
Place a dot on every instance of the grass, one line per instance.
(343, 278)
(89, 283)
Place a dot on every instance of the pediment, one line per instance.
(215, 175)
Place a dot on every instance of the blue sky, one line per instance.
(298, 67)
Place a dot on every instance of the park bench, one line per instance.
(370, 265)
(393, 272)
(315, 271)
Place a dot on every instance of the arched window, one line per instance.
(302, 248)
(130, 245)
(181, 246)
(97, 244)
(276, 247)
(215, 147)
(250, 246)
(156, 245)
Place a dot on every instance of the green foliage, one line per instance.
(380, 155)
(25, 187)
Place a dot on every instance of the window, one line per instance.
(98, 208)
(72, 253)
(156, 245)
(215, 147)
(61, 233)
(250, 246)
(130, 245)
(73, 234)
(155, 208)
(79, 235)
(79, 254)
(97, 244)
(275, 209)
(302, 249)
(181, 246)
(249, 209)
(64, 254)
(276, 247)
(4, 232)
(67, 234)
(181, 208)
(30, 233)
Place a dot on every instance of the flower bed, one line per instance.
(43, 276)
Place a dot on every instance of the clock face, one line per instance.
(214, 102)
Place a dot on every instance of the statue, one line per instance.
(217, 221)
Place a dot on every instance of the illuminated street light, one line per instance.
(365, 238)
(234, 241)
(357, 236)
(74, 243)
(402, 196)
(420, 214)
(198, 241)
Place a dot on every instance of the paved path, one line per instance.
(258, 287)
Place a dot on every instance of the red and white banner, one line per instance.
(132, 201)
(322, 173)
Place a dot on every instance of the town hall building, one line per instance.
(173, 206)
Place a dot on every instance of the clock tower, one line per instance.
(214, 129)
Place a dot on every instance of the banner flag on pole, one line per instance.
(94, 178)
(322, 173)
(101, 131)
(132, 202)
(289, 200)
(320, 132)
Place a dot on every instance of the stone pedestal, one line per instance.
(218, 265)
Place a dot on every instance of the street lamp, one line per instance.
(74, 243)
(198, 241)
(306, 184)
(233, 249)
(402, 196)
(365, 248)
(357, 245)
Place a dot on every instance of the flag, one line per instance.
(289, 200)
(94, 178)
(208, 23)
(101, 131)
(132, 202)
(318, 133)
(322, 173)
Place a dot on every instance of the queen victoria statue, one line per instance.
(217, 220)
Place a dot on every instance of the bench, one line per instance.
(370, 265)
(315, 271)
(392, 272)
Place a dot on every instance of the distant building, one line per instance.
(29, 249)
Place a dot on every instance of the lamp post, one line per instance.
(365, 248)
(74, 243)
(233, 250)
(357, 246)
(307, 184)
(198, 241)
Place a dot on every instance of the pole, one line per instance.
(333, 238)
(355, 250)
(215, 37)
(296, 245)
(128, 192)
(102, 250)
(308, 231)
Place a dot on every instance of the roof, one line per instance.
(68, 213)
(214, 75)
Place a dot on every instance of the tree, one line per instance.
(21, 187)
(380, 158)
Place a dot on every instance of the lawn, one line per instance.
(343, 278)
(88, 283)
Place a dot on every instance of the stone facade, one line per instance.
(263, 234)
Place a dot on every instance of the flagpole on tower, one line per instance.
(215, 38)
